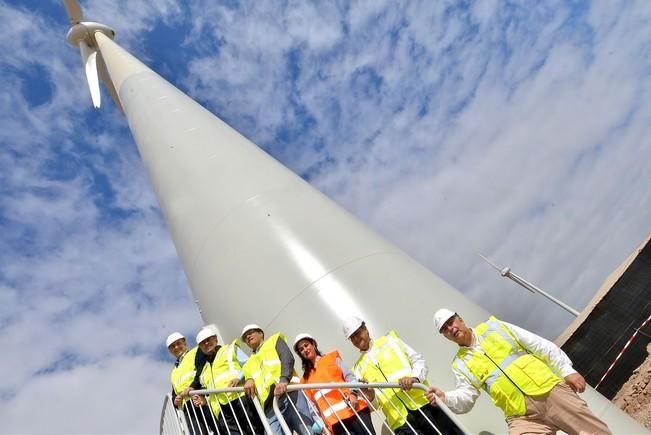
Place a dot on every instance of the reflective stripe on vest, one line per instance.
(495, 326)
(219, 373)
(387, 362)
(331, 402)
(264, 367)
(336, 408)
(504, 369)
(183, 374)
(321, 392)
(492, 376)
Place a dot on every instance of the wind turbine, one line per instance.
(82, 34)
(508, 273)
(260, 245)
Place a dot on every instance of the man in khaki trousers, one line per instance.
(529, 378)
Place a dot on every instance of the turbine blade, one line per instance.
(104, 75)
(489, 262)
(89, 58)
(74, 11)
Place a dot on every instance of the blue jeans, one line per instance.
(289, 414)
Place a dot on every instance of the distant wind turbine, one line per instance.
(507, 273)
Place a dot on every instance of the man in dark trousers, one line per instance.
(389, 359)
(234, 411)
(268, 372)
(182, 376)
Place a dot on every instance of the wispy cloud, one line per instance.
(501, 129)
(90, 283)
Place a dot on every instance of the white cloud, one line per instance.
(513, 174)
(87, 295)
(130, 19)
(86, 400)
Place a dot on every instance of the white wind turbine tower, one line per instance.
(260, 245)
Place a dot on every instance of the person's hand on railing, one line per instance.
(369, 393)
(198, 400)
(281, 388)
(177, 401)
(433, 393)
(352, 400)
(407, 382)
(249, 388)
(233, 382)
(185, 393)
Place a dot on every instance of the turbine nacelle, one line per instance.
(85, 32)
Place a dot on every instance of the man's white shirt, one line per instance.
(463, 397)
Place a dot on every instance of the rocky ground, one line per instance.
(635, 395)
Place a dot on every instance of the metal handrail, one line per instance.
(361, 385)
(180, 426)
(177, 424)
(255, 400)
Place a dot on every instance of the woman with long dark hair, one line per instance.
(343, 410)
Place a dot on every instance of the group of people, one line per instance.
(528, 377)
(212, 365)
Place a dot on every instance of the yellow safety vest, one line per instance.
(504, 369)
(264, 367)
(219, 373)
(183, 374)
(386, 361)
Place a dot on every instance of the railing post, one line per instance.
(262, 415)
(443, 408)
(171, 418)
(183, 422)
(280, 417)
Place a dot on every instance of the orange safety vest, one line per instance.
(331, 402)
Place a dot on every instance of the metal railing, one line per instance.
(202, 420)
(241, 415)
(172, 421)
(379, 389)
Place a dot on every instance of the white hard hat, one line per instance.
(249, 327)
(214, 329)
(352, 324)
(442, 316)
(205, 333)
(172, 338)
(300, 337)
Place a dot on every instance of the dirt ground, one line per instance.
(635, 395)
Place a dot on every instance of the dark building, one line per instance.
(599, 334)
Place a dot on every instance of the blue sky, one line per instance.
(516, 130)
